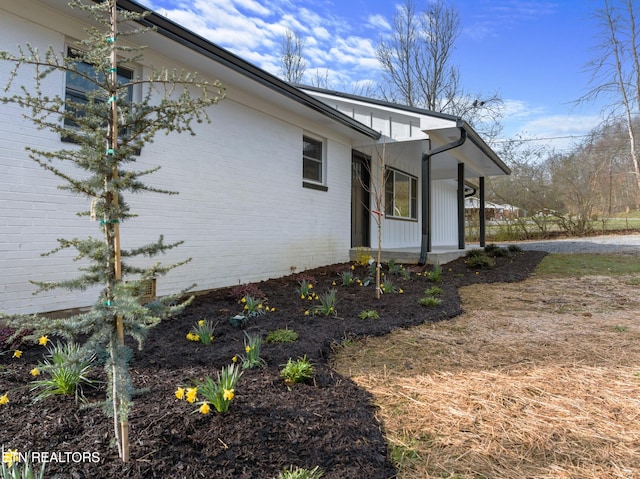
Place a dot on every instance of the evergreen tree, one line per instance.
(106, 132)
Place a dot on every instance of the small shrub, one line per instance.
(282, 336)
(496, 251)
(514, 248)
(242, 290)
(363, 256)
(479, 260)
(433, 291)
(394, 268)
(430, 301)
(435, 275)
(252, 344)
(370, 314)
(297, 371)
(299, 473)
(68, 366)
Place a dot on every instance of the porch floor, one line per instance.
(437, 255)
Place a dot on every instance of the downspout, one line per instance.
(425, 244)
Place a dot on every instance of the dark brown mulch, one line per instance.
(329, 422)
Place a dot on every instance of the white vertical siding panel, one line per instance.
(444, 215)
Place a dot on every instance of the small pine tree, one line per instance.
(108, 134)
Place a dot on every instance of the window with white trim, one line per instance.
(401, 195)
(312, 160)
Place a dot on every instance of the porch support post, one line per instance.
(483, 231)
(426, 202)
(461, 226)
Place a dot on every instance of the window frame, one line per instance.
(317, 183)
(81, 94)
(391, 195)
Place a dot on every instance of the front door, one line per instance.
(360, 200)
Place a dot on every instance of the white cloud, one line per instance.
(378, 22)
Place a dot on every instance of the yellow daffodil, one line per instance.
(260, 306)
(306, 313)
(234, 359)
(17, 353)
(35, 372)
(4, 399)
(201, 322)
(400, 291)
(43, 340)
(179, 393)
(310, 286)
(228, 394)
(191, 394)
(9, 457)
(353, 267)
(273, 309)
(302, 296)
(192, 336)
(204, 409)
(333, 283)
(243, 300)
(247, 348)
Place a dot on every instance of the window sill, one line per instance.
(314, 186)
(400, 218)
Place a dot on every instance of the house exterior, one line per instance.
(280, 181)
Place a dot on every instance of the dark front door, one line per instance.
(360, 200)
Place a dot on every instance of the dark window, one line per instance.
(401, 195)
(312, 159)
(78, 89)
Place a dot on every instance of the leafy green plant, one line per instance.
(479, 260)
(282, 336)
(300, 473)
(387, 286)
(68, 366)
(11, 467)
(433, 291)
(435, 275)
(369, 314)
(202, 331)
(218, 393)
(297, 371)
(394, 268)
(252, 344)
(405, 273)
(252, 307)
(305, 287)
(328, 302)
(430, 301)
(347, 278)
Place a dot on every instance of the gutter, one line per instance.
(425, 243)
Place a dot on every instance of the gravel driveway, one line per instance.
(628, 244)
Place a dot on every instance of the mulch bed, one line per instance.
(329, 422)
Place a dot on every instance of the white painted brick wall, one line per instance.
(242, 210)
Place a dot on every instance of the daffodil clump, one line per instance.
(217, 394)
(67, 367)
(254, 307)
(306, 290)
(202, 332)
(327, 304)
(252, 344)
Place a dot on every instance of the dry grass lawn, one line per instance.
(538, 379)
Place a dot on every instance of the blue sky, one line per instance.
(532, 52)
